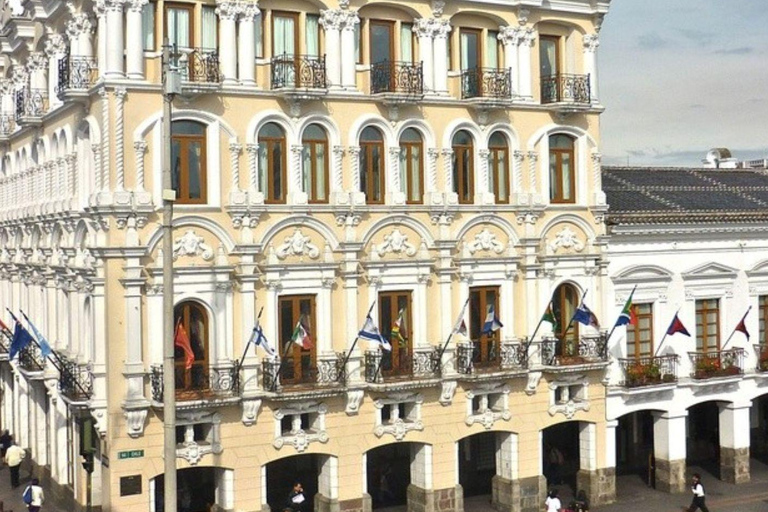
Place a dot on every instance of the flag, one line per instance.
(549, 317)
(677, 327)
(460, 327)
(585, 316)
(627, 315)
(371, 333)
(3, 326)
(396, 333)
(259, 340)
(181, 340)
(300, 335)
(742, 327)
(21, 339)
(492, 322)
(45, 348)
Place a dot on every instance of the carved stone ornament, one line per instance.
(191, 244)
(533, 382)
(297, 245)
(250, 411)
(398, 429)
(566, 239)
(354, 399)
(447, 390)
(485, 241)
(487, 416)
(396, 242)
(135, 419)
(569, 408)
(99, 416)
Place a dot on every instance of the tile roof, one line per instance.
(653, 195)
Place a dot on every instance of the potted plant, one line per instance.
(706, 367)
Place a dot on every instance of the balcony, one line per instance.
(382, 367)
(649, 371)
(75, 380)
(588, 351)
(487, 87)
(5, 343)
(299, 76)
(717, 363)
(7, 126)
(31, 106)
(198, 383)
(397, 82)
(304, 375)
(762, 358)
(199, 68)
(566, 92)
(31, 360)
(474, 358)
(76, 76)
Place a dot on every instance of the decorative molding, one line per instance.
(566, 239)
(251, 407)
(447, 391)
(396, 242)
(192, 244)
(298, 437)
(533, 383)
(485, 241)
(354, 400)
(591, 43)
(297, 245)
(488, 414)
(135, 421)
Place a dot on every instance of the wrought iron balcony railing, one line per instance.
(649, 370)
(564, 88)
(31, 103)
(7, 125)
(762, 357)
(589, 349)
(299, 72)
(31, 359)
(397, 77)
(198, 65)
(75, 380)
(198, 383)
(383, 366)
(324, 373)
(491, 83)
(473, 357)
(76, 74)
(717, 363)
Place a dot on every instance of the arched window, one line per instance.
(564, 303)
(498, 167)
(464, 167)
(562, 182)
(314, 177)
(191, 319)
(272, 163)
(188, 169)
(412, 166)
(372, 165)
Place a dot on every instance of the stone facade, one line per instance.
(734, 465)
(670, 475)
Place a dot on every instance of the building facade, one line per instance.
(417, 161)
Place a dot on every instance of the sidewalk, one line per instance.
(11, 498)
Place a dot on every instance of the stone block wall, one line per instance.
(734, 465)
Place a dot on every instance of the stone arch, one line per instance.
(146, 126)
(508, 131)
(421, 126)
(644, 272)
(376, 121)
(574, 219)
(298, 221)
(463, 124)
(542, 133)
(270, 116)
(399, 219)
(392, 5)
(494, 220)
(193, 220)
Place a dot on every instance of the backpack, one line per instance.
(27, 496)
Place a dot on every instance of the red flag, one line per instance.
(633, 315)
(743, 328)
(677, 327)
(181, 340)
(3, 326)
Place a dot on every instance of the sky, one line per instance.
(679, 77)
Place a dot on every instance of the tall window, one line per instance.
(492, 50)
(407, 43)
(178, 24)
(188, 160)
(562, 182)
(763, 304)
(148, 26)
(640, 335)
(382, 43)
(272, 163)
(464, 167)
(498, 165)
(315, 164)
(193, 318)
(258, 36)
(372, 165)
(394, 306)
(285, 35)
(486, 346)
(411, 166)
(471, 48)
(210, 28)
(564, 303)
(300, 362)
(707, 325)
(313, 35)
(549, 55)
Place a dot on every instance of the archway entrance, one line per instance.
(477, 463)
(634, 446)
(758, 423)
(198, 490)
(703, 439)
(283, 473)
(391, 469)
(560, 455)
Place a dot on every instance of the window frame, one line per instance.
(270, 142)
(150, 7)
(486, 348)
(296, 30)
(556, 155)
(459, 153)
(493, 163)
(408, 147)
(183, 312)
(187, 7)
(702, 328)
(762, 305)
(366, 157)
(480, 54)
(397, 361)
(311, 144)
(557, 41)
(183, 184)
(564, 316)
(216, 28)
(390, 24)
(634, 331)
(296, 355)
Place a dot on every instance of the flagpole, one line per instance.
(282, 359)
(245, 351)
(354, 343)
(536, 330)
(570, 323)
(614, 325)
(450, 335)
(665, 334)
(734, 329)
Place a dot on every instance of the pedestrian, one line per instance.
(556, 461)
(581, 503)
(5, 443)
(36, 496)
(13, 457)
(296, 498)
(552, 504)
(698, 495)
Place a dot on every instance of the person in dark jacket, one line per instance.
(296, 498)
(5, 442)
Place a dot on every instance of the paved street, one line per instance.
(11, 498)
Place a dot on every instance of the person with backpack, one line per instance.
(34, 496)
(698, 495)
(13, 457)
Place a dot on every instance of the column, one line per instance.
(440, 58)
(669, 450)
(228, 12)
(424, 31)
(331, 23)
(103, 30)
(510, 38)
(734, 442)
(79, 30)
(348, 60)
(524, 77)
(55, 49)
(591, 43)
(114, 39)
(134, 46)
(133, 369)
(246, 57)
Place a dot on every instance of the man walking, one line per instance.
(5, 443)
(698, 495)
(36, 496)
(13, 457)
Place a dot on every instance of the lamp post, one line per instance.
(171, 87)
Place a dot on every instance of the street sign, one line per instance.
(130, 454)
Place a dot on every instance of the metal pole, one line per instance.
(169, 363)
(661, 344)
(88, 487)
(734, 329)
